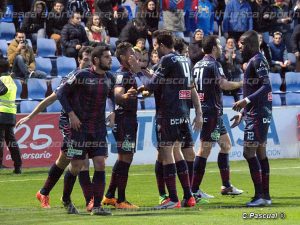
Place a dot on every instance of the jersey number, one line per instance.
(198, 74)
(186, 70)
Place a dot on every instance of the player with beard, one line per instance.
(257, 105)
(83, 98)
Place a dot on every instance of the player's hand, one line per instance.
(146, 94)
(237, 106)
(237, 120)
(74, 121)
(131, 93)
(134, 64)
(110, 120)
(22, 121)
(197, 122)
(77, 47)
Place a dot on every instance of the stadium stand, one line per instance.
(292, 81)
(276, 100)
(27, 106)
(46, 47)
(19, 88)
(228, 101)
(36, 88)
(276, 81)
(65, 65)
(3, 47)
(55, 82)
(43, 64)
(293, 99)
(115, 64)
(55, 107)
(7, 31)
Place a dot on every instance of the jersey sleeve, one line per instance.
(120, 80)
(261, 68)
(219, 72)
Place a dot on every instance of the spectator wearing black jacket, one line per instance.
(73, 36)
(265, 48)
(80, 6)
(56, 20)
(295, 42)
(134, 30)
(19, 8)
(195, 48)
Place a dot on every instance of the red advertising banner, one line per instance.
(39, 141)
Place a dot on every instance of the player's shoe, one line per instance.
(200, 194)
(109, 201)
(100, 211)
(70, 207)
(230, 190)
(163, 198)
(256, 202)
(268, 200)
(191, 202)
(125, 205)
(168, 204)
(44, 200)
(90, 206)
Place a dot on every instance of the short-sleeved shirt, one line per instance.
(126, 80)
(256, 76)
(85, 93)
(172, 85)
(207, 74)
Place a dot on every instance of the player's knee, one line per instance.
(189, 154)
(99, 164)
(62, 162)
(126, 158)
(226, 148)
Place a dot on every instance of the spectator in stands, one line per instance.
(154, 59)
(57, 18)
(139, 5)
(219, 13)
(296, 14)
(173, 16)
(141, 53)
(205, 16)
(95, 31)
(195, 48)
(122, 19)
(34, 22)
(231, 61)
(48, 3)
(91, 4)
(80, 6)
(19, 8)
(150, 12)
(280, 62)
(237, 19)
(108, 13)
(282, 22)
(295, 41)
(3, 5)
(21, 58)
(134, 30)
(262, 17)
(265, 48)
(8, 110)
(73, 36)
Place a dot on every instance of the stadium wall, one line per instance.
(40, 139)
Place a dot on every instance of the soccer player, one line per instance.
(125, 130)
(172, 86)
(257, 105)
(55, 172)
(210, 80)
(83, 97)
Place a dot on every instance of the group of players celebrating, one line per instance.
(84, 96)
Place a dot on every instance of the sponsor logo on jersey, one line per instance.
(128, 145)
(266, 120)
(179, 121)
(215, 135)
(262, 67)
(119, 79)
(185, 94)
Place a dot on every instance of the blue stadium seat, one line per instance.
(276, 100)
(130, 14)
(65, 65)
(113, 41)
(115, 64)
(36, 88)
(55, 82)
(149, 103)
(55, 107)
(292, 80)
(228, 101)
(3, 47)
(19, 88)
(8, 15)
(292, 99)
(7, 31)
(28, 106)
(43, 64)
(292, 58)
(275, 80)
(46, 47)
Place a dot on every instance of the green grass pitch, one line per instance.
(18, 204)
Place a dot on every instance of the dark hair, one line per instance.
(99, 50)
(145, 6)
(58, 1)
(166, 38)
(154, 52)
(208, 43)
(89, 24)
(22, 31)
(140, 39)
(4, 65)
(179, 44)
(73, 14)
(84, 49)
(122, 48)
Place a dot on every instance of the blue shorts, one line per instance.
(213, 127)
(80, 144)
(125, 132)
(170, 130)
(256, 129)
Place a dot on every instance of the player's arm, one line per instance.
(123, 98)
(223, 82)
(62, 92)
(198, 121)
(39, 108)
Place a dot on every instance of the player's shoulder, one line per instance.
(259, 61)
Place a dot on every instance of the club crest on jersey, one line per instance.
(262, 67)
(270, 97)
(215, 136)
(119, 79)
(127, 145)
(185, 94)
(221, 71)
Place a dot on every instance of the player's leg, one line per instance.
(189, 156)
(159, 174)
(183, 175)
(223, 164)
(265, 171)
(86, 185)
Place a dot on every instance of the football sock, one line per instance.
(199, 170)
(183, 175)
(98, 187)
(54, 174)
(170, 180)
(223, 163)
